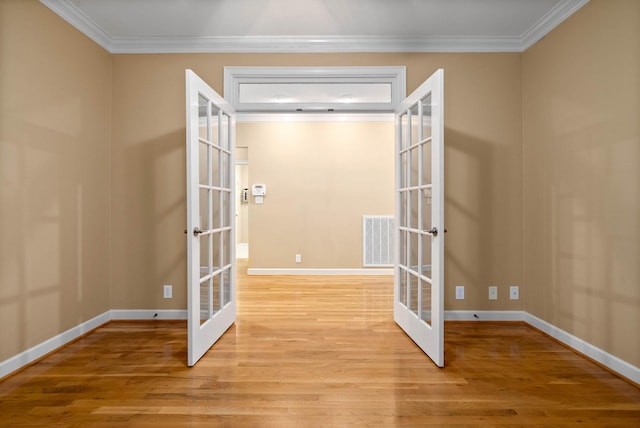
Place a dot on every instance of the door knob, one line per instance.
(196, 231)
(433, 231)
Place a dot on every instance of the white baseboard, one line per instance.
(32, 354)
(484, 315)
(148, 314)
(610, 361)
(285, 271)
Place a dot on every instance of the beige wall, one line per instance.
(242, 211)
(483, 162)
(92, 178)
(582, 177)
(321, 178)
(55, 89)
(242, 171)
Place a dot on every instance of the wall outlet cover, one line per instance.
(514, 292)
(493, 292)
(459, 292)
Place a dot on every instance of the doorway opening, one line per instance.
(308, 101)
(418, 189)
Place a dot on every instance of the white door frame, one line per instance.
(430, 337)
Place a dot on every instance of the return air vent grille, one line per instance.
(377, 241)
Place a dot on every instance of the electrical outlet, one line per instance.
(493, 292)
(514, 292)
(168, 291)
(298, 258)
(459, 292)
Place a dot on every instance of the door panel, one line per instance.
(419, 269)
(210, 217)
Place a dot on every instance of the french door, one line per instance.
(419, 267)
(210, 217)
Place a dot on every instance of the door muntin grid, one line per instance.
(415, 211)
(215, 209)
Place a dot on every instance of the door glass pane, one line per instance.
(413, 215)
(425, 263)
(225, 170)
(426, 208)
(404, 131)
(226, 287)
(215, 166)
(402, 248)
(413, 293)
(415, 164)
(203, 168)
(215, 245)
(413, 251)
(205, 298)
(404, 163)
(226, 247)
(403, 222)
(415, 125)
(215, 210)
(426, 117)
(226, 137)
(214, 125)
(402, 295)
(204, 209)
(426, 162)
(216, 303)
(426, 225)
(226, 209)
(203, 119)
(425, 313)
(205, 247)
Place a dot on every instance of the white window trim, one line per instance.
(235, 76)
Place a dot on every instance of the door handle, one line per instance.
(433, 231)
(196, 231)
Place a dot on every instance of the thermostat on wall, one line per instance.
(259, 190)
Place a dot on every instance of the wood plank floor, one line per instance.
(316, 351)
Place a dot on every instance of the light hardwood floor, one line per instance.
(316, 351)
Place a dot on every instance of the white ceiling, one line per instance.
(137, 26)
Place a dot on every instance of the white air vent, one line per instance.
(377, 241)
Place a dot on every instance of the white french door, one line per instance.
(210, 230)
(419, 267)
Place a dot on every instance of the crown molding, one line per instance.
(74, 16)
(311, 44)
(551, 20)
